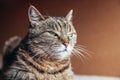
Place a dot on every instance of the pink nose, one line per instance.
(65, 41)
(66, 44)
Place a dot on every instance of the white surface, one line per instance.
(80, 77)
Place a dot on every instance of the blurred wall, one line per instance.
(97, 23)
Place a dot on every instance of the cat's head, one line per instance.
(53, 37)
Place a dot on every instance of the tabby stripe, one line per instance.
(41, 70)
(57, 25)
(60, 25)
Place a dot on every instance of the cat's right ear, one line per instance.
(69, 15)
(34, 14)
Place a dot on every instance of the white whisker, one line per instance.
(80, 51)
(35, 55)
(78, 56)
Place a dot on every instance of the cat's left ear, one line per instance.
(69, 15)
(34, 14)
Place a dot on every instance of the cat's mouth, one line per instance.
(65, 50)
(62, 51)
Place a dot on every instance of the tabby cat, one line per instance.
(44, 53)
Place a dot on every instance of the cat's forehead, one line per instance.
(57, 22)
(56, 19)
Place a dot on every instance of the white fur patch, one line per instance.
(64, 52)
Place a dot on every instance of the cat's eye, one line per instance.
(53, 33)
(72, 35)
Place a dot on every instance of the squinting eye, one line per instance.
(72, 35)
(53, 33)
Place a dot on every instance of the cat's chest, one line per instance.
(17, 73)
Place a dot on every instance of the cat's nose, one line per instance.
(65, 42)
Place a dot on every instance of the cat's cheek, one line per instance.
(69, 48)
(63, 55)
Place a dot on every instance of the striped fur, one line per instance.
(44, 54)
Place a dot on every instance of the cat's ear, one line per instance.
(34, 14)
(69, 15)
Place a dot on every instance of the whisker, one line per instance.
(44, 54)
(82, 52)
(78, 56)
(81, 49)
(35, 55)
(79, 52)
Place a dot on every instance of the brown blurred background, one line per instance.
(96, 21)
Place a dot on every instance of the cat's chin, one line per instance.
(63, 54)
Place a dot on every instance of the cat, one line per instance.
(44, 53)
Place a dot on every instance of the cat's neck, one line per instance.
(45, 65)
